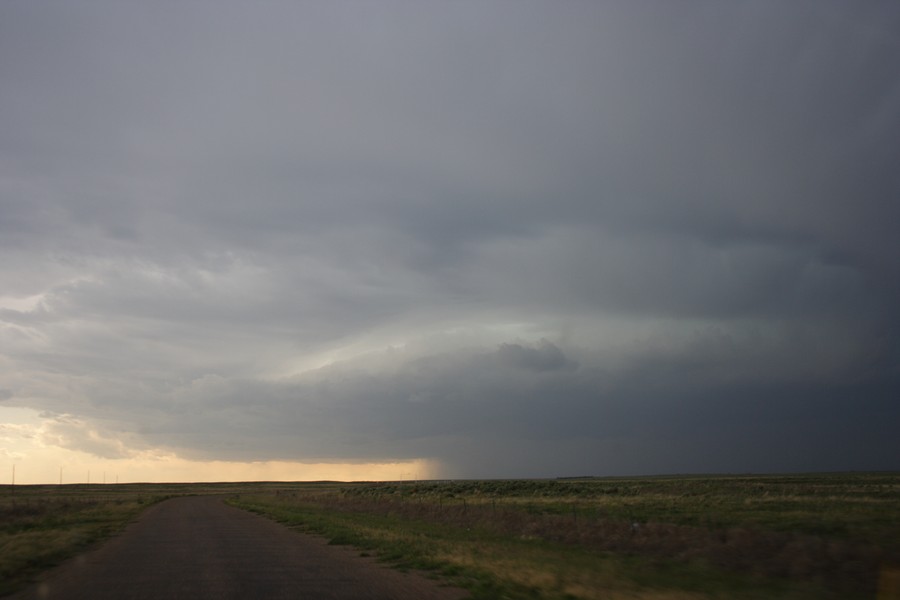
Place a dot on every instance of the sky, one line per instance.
(407, 240)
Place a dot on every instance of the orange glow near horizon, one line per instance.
(29, 456)
(79, 468)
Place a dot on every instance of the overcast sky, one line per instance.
(449, 239)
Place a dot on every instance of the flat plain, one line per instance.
(751, 536)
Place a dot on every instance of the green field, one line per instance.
(803, 536)
(753, 537)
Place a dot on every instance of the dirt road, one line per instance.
(198, 547)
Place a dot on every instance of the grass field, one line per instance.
(792, 537)
(42, 525)
(663, 538)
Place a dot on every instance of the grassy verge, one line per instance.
(790, 536)
(508, 552)
(40, 526)
(43, 525)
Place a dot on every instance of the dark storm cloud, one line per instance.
(592, 233)
(546, 357)
(484, 416)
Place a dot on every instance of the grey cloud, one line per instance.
(66, 431)
(204, 200)
(546, 357)
(676, 410)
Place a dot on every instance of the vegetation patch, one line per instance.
(793, 537)
(40, 526)
(808, 536)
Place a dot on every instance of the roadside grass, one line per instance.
(43, 525)
(790, 537)
(796, 537)
(40, 526)
(497, 565)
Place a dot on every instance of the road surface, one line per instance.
(198, 547)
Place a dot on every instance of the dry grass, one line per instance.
(493, 564)
(795, 537)
(836, 563)
(751, 538)
(43, 525)
(889, 584)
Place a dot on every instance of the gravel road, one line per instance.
(198, 547)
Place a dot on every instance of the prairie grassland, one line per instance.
(792, 537)
(41, 525)
(664, 538)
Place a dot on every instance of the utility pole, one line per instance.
(60, 476)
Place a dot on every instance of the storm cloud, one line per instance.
(513, 238)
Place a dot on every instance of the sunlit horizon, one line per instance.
(176, 470)
(27, 447)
